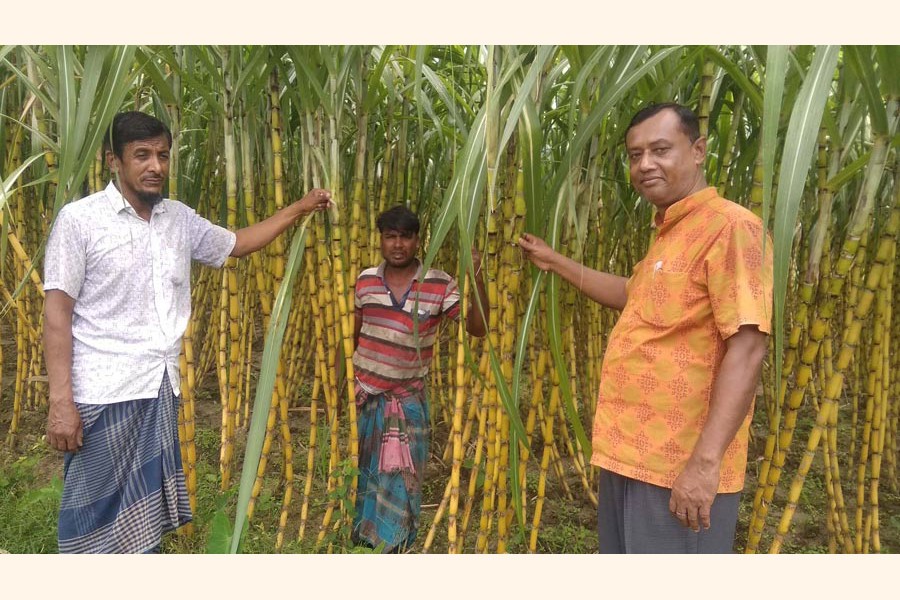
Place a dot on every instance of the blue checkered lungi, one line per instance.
(125, 487)
(388, 505)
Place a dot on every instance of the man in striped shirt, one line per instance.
(398, 310)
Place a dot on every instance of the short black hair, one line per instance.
(133, 126)
(690, 123)
(398, 218)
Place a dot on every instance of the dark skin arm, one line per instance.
(64, 430)
(256, 236)
(604, 288)
(695, 488)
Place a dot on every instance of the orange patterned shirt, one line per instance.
(703, 277)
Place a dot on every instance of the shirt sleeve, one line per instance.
(739, 279)
(66, 255)
(210, 243)
(450, 303)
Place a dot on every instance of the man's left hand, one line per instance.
(315, 200)
(693, 493)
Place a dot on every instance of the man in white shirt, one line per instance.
(117, 282)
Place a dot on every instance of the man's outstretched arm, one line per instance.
(256, 236)
(604, 288)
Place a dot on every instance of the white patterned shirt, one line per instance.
(130, 280)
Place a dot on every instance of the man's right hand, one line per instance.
(64, 426)
(537, 251)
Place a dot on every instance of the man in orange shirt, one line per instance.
(683, 361)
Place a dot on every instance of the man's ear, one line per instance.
(112, 161)
(699, 150)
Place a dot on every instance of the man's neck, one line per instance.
(699, 184)
(401, 274)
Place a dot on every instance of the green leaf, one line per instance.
(220, 533)
(799, 145)
(859, 59)
(256, 433)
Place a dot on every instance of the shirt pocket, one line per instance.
(176, 263)
(424, 317)
(662, 301)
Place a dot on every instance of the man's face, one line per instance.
(399, 247)
(665, 165)
(143, 169)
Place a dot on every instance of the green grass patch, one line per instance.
(29, 510)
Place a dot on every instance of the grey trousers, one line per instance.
(634, 517)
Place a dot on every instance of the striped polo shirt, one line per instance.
(397, 334)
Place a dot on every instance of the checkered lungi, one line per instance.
(389, 502)
(125, 487)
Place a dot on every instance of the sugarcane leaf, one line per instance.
(889, 61)
(734, 70)
(799, 145)
(450, 102)
(265, 386)
(523, 94)
(301, 60)
(530, 144)
(254, 70)
(10, 180)
(472, 159)
(116, 86)
(776, 71)
(150, 67)
(627, 77)
(859, 59)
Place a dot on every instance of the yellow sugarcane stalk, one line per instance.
(835, 382)
(187, 438)
(730, 143)
(480, 441)
(882, 379)
(457, 428)
(491, 265)
(834, 285)
(706, 84)
(547, 425)
(230, 335)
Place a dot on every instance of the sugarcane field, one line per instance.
(488, 146)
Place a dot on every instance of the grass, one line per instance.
(30, 506)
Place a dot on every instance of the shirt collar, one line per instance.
(416, 277)
(118, 203)
(683, 207)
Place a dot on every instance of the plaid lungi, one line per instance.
(125, 487)
(388, 504)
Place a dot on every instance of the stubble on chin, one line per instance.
(150, 199)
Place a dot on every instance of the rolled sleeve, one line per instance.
(66, 255)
